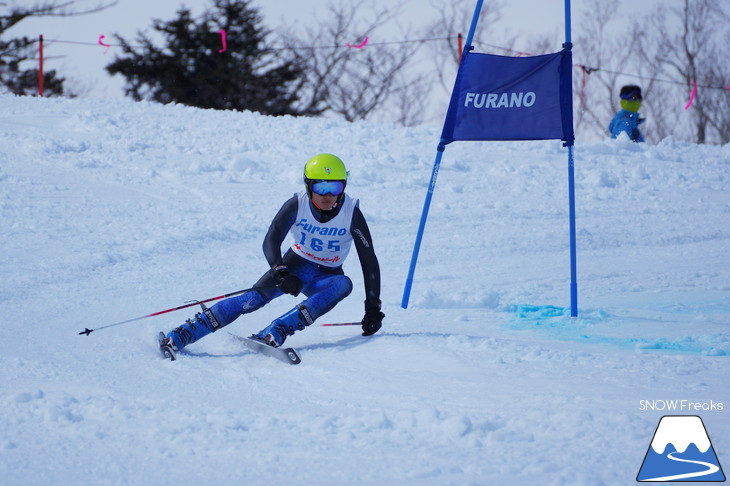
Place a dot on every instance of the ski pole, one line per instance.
(342, 324)
(88, 331)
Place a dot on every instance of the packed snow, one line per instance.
(112, 210)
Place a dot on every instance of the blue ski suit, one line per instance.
(626, 121)
(324, 286)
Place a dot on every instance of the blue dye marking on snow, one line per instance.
(529, 316)
(558, 324)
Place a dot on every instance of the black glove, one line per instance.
(373, 319)
(287, 282)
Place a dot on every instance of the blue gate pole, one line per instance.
(421, 227)
(434, 173)
(573, 264)
(571, 198)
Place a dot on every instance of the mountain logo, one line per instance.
(680, 451)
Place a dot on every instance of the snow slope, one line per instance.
(114, 209)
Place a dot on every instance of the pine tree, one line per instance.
(189, 68)
(18, 52)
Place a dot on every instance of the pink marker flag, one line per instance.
(359, 46)
(224, 42)
(101, 42)
(692, 95)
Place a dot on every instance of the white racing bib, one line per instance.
(324, 243)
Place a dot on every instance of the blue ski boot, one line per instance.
(295, 320)
(199, 326)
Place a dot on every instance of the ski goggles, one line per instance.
(632, 96)
(328, 187)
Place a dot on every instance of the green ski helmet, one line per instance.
(322, 168)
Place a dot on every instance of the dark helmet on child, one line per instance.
(630, 98)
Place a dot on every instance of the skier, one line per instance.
(323, 222)
(627, 119)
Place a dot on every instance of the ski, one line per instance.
(287, 355)
(165, 349)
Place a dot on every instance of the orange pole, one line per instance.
(461, 45)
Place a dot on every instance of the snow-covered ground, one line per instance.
(113, 209)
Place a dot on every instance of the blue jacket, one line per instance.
(626, 121)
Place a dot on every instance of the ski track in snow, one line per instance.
(113, 209)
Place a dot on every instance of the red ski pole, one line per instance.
(342, 324)
(88, 331)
